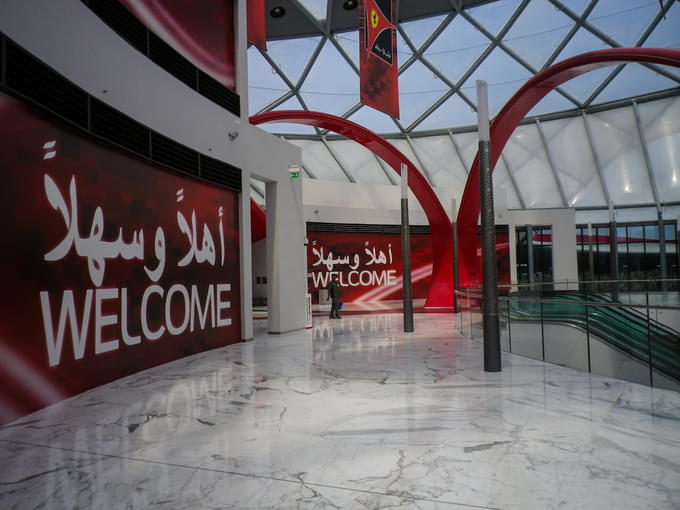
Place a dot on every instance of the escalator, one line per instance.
(624, 328)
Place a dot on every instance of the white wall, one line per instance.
(378, 204)
(259, 267)
(563, 222)
(68, 37)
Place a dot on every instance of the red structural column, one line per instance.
(509, 118)
(441, 289)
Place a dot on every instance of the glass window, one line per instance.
(602, 259)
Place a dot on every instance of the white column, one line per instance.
(246, 259)
(286, 256)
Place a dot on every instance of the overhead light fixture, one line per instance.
(350, 5)
(278, 12)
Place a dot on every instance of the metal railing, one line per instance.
(610, 328)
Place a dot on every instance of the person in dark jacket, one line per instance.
(334, 293)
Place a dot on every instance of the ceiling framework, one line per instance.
(444, 46)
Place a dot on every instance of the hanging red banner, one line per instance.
(257, 28)
(378, 69)
(204, 36)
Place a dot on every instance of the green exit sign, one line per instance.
(294, 171)
(294, 175)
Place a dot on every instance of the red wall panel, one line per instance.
(109, 265)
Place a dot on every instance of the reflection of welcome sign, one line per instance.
(115, 265)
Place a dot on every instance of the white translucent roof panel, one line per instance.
(372, 119)
(349, 41)
(553, 102)
(634, 79)
(575, 6)
(436, 153)
(574, 163)
(501, 181)
(405, 149)
(419, 31)
(494, 15)
(292, 55)
(468, 145)
(264, 84)
(537, 33)
(583, 86)
(453, 112)
(418, 90)
(290, 104)
(504, 76)
(359, 161)
(666, 34)
(529, 165)
(625, 22)
(316, 157)
(316, 8)
(456, 48)
(403, 50)
(332, 86)
(617, 144)
(661, 127)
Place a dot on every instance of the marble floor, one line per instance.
(350, 414)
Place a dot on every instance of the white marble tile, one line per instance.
(353, 414)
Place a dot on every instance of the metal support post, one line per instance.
(613, 255)
(663, 265)
(406, 253)
(492, 343)
(531, 271)
(591, 258)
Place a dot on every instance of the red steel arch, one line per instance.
(509, 118)
(441, 289)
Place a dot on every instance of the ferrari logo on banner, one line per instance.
(377, 56)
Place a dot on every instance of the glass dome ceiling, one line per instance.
(443, 46)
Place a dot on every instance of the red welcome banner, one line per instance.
(109, 265)
(378, 69)
(368, 266)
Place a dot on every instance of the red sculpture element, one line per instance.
(510, 116)
(441, 291)
(258, 222)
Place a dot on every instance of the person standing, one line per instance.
(334, 293)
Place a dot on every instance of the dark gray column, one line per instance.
(406, 253)
(613, 255)
(492, 343)
(591, 257)
(531, 271)
(662, 254)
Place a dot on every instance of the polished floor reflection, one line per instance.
(351, 414)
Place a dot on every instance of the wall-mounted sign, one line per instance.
(109, 265)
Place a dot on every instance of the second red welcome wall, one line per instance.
(509, 118)
(441, 291)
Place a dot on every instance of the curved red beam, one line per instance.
(258, 222)
(441, 289)
(509, 118)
